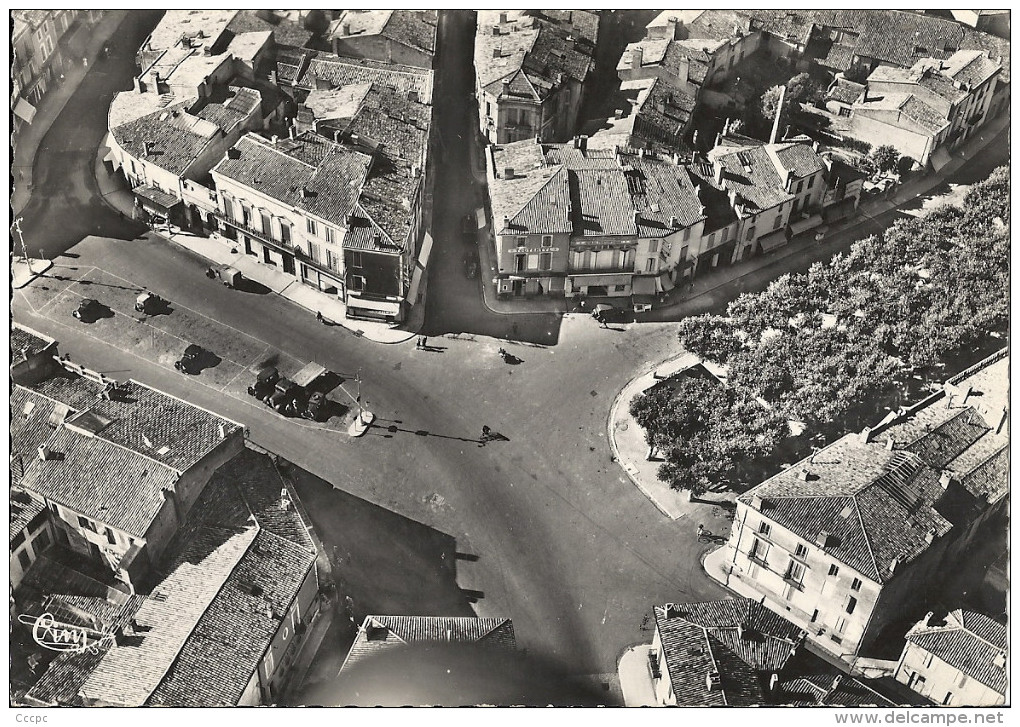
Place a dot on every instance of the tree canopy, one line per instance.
(827, 347)
(885, 157)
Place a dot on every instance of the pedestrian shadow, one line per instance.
(393, 429)
(472, 596)
(430, 348)
(512, 360)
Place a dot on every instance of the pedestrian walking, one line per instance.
(424, 341)
(701, 531)
(318, 316)
(486, 433)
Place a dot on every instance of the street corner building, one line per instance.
(855, 542)
(150, 527)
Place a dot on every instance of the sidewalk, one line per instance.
(221, 251)
(28, 139)
(635, 677)
(627, 441)
(698, 297)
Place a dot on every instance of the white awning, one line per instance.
(24, 110)
(805, 224)
(308, 374)
(426, 250)
(416, 276)
(606, 279)
(383, 306)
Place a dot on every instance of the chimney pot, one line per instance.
(674, 221)
(637, 57)
(890, 443)
(508, 173)
(502, 17)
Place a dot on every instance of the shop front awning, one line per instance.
(805, 224)
(609, 279)
(839, 210)
(24, 110)
(773, 242)
(644, 285)
(162, 201)
(382, 306)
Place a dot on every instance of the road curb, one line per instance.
(611, 429)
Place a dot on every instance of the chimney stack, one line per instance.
(502, 17)
(674, 221)
(890, 443)
(508, 173)
(637, 58)
(719, 170)
(779, 115)
(713, 681)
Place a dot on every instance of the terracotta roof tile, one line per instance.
(379, 633)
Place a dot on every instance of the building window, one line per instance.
(779, 222)
(801, 551)
(546, 240)
(86, 523)
(285, 233)
(750, 234)
(795, 572)
(948, 699)
(833, 570)
(619, 288)
(17, 540)
(687, 234)
(522, 242)
(545, 261)
(313, 251)
(25, 559)
(41, 541)
(111, 537)
(356, 260)
(962, 681)
(841, 625)
(800, 186)
(357, 283)
(759, 551)
(311, 227)
(650, 265)
(856, 585)
(653, 246)
(814, 616)
(711, 239)
(928, 660)
(520, 263)
(811, 181)
(851, 604)
(764, 528)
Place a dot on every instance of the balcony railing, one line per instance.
(287, 247)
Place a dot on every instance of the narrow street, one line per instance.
(560, 539)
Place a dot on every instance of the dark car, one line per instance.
(88, 310)
(188, 362)
(265, 383)
(316, 408)
(608, 313)
(469, 226)
(285, 395)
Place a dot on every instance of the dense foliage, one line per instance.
(885, 157)
(708, 434)
(825, 347)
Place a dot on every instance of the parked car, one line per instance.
(265, 383)
(188, 362)
(608, 313)
(316, 408)
(469, 226)
(150, 303)
(230, 276)
(88, 310)
(285, 395)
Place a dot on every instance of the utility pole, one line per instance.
(364, 419)
(24, 250)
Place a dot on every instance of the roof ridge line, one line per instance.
(560, 168)
(867, 537)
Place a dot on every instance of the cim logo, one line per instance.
(57, 636)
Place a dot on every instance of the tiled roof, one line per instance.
(751, 174)
(718, 210)
(400, 123)
(77, 392)
(180, 434)
(386, 200)
(691, 653)
(25, 506)
(22, 338)
(335, 71)
(331, 174)
(286, 30)
(829, 690)
(215, 664)
(845, 90)
(969, 642)
(337, 103)
(239, 104)
(245, 46)
(130, 672)
(62, 681)
(379, 633)
(996, 47)
(290, 63)
(664, 115)
(170, 138)
(924, 116)
(103, 481)
(558, 188)
(670, 55)
(548, 46)
(800, 159)
(156, 196)
(30, 427)
(765, 640)
(900, 38)
(839, 57)
(203, 27)
(864, 497)
(413, 28)
(718, 24)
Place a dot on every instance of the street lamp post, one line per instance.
(24, 250)
(364, 419)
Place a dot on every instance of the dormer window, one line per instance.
(522, 242)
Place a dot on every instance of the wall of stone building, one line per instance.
(942, 683)
(871, 126)
(275, 665)
(379, 48)
(36, 537)
(193, 481)
(508, 248)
